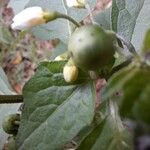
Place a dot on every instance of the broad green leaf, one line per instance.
(58, 28)
(136, 96)
(103, 18)
(146, 44)
(133, 82)
(131, 20)
(54, 110)
(99, 117)
(5, 109)
(116, 82)
(110, 134)
(141, 108)
(59, 49)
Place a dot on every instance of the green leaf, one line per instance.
(54, 110)
(133, 82)
(5, 88)
(136, 96)
(110, 134)
(116, 82)
(146, 44)
(129, 19)
(103, 18)
(59, 49)
(141, 108)
(79, 14)
(98, 118)
(58, 28)
(5, 109)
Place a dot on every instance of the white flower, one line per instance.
(76, 3)
(28, 18)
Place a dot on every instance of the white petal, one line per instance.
(28, 13)
(15, 26)
(27, 18)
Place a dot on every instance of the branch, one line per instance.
(69, 18)
(120, 66)
(6, 99)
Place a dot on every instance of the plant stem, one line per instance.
(69, 18)
(90, 12)
(120, 66)
(128, 45)
(4, 99)
(94, 75)
(66, 12)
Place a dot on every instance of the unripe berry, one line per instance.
(91, 47)
(9, 123)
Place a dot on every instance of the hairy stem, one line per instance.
(69, 18)
(6, 99)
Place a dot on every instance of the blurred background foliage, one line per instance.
(20, 52)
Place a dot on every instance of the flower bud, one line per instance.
(76, 3)
(70, 72)
(31, 17)
(59, 58)
(64, 56)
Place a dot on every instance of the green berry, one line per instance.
(91, 47)
(10, 123)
